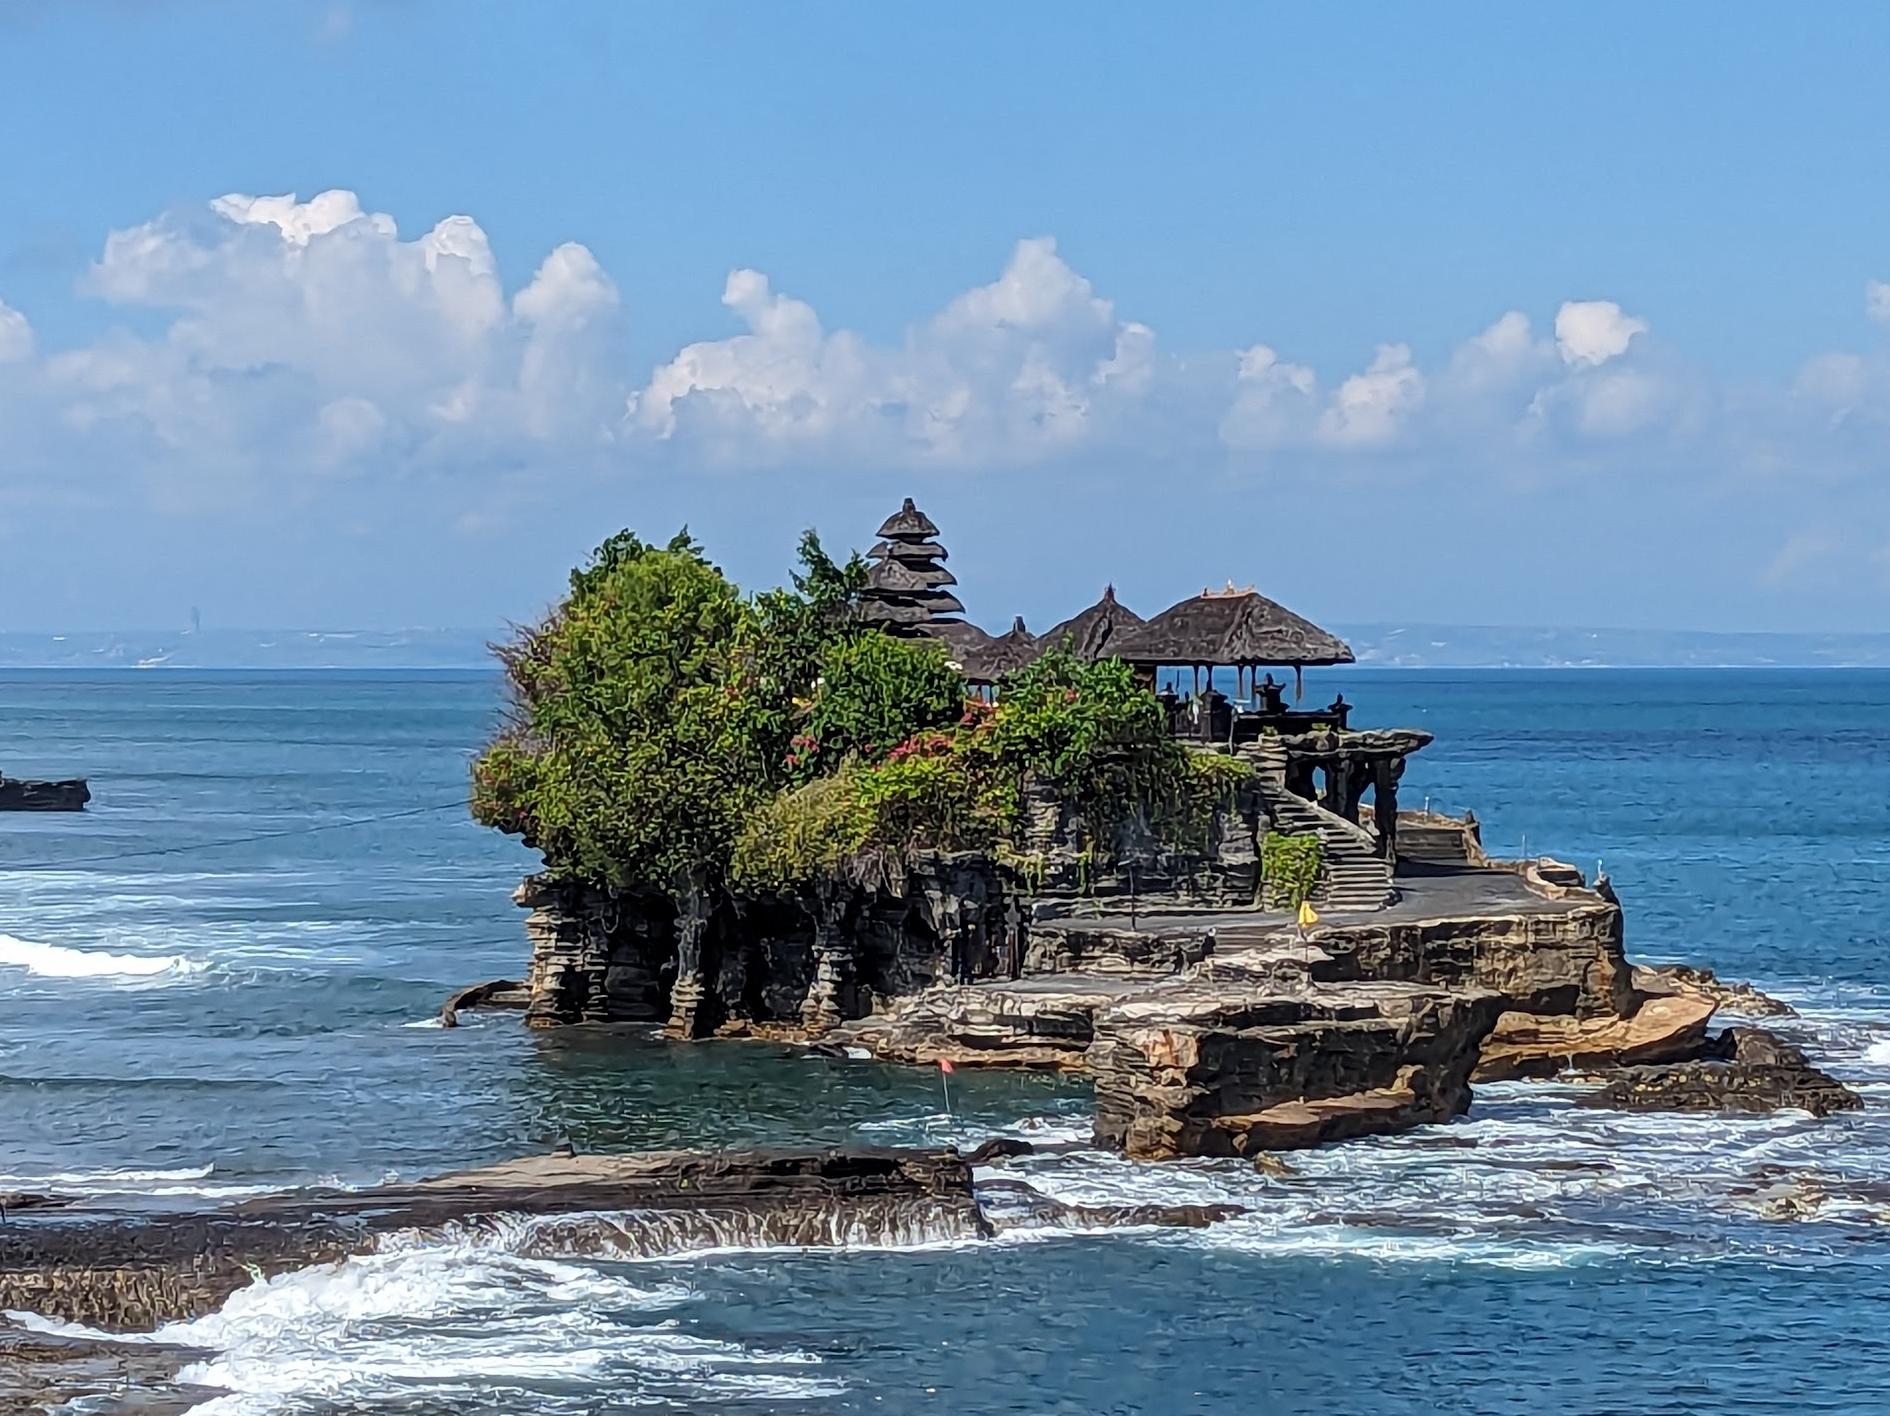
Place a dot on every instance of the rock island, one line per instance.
(841, 814)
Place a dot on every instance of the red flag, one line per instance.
(944, 1065)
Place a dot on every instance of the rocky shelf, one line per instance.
(132, 1270)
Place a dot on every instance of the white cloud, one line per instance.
(1594, 331)
(279, 335)
(1371, 408)
(1029, 365)
(1877, 300)
(1275, 402)
(16, 336)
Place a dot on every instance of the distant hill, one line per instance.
(250, 649)
(1437, 646)
(1413, 646)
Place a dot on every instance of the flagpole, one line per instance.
(945, 1085)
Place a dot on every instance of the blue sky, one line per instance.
(1550, 314)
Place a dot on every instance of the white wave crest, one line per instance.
(185, 1180)
(445, 1320)
(57, 961)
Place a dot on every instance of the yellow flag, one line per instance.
(1308, 917)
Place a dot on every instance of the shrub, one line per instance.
(1290, 867)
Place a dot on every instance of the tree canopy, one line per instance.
(670, 733)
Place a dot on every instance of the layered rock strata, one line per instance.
(1188, 1069)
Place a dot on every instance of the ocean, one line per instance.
(222, 979)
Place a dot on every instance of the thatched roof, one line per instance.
(1229, 627)
(898, 578)
(960, 637)
(922, 604)
(1092, 633)
(908, 552)
(894, 612)
(997, 657)
(908, 523)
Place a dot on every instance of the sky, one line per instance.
(380, 313)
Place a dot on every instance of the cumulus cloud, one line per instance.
(1030, 364)
(1370, 408)
(279, 335)
(1594, 331)
(16, 336)
(1275, 401)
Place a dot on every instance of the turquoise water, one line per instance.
(181, 1016)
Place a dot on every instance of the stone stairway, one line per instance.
(1357, 878)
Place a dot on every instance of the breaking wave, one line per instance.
(181, 1181)
(885, 1223)
(57, 961)
(471, 1327)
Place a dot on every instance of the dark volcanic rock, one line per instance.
(69, 795)
(111, 1269)
(1016, 1204)
(494, 993)
(1742, 1071)
(44, 1372)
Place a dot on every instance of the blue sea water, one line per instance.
(219, 980)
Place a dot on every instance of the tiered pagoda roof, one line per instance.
(905, 587)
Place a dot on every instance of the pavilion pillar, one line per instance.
(1385, 774)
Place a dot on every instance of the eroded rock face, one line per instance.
(1743, 1071)
(1043, 1023)
(1704, 983)
(1532, 1045)
(1188, 1070)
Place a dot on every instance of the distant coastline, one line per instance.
(1378, 645)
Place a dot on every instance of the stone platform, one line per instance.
(1231, 1032)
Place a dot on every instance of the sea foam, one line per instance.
(447, 1320)
(58, 961)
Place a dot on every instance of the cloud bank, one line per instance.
(274, 342)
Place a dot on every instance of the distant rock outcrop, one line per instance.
(69, 795)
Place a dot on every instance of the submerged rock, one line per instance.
(56, 1372)
(1743, 1071)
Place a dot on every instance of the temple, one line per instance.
(1345, 780)
(1300, 961)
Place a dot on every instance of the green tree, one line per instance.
(633, 754)
(874, 693)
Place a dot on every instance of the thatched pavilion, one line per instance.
(1238, 629)
(1093, 633)
(988, 662)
